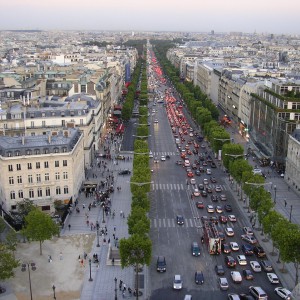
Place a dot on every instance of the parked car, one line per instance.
(283, 293)
(219, 270)
(273, 278)
(125, 172)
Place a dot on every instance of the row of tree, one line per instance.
(284, 234)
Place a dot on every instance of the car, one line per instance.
(218, 188)
(210, 209)
(199, 204)
(249, 239)
(236, 276)
(190, 174)
(194, 166)
(219, 270)
(209, 189)
(161, 265)
(188, 170)
(179, 162)
(155, 160)
(205, 181)
(231, 218)
(225, 248)
(188, 297)
(125, 172)
(248, 230)
(203, 193)
(198, 173)
(248, 274)
(229, 231)
(223, 283)
(150, 154)
(208, 171)
(258, 292)
(228, 207)
(223, 197)
(201, 187)
(156, 121)
(246, 297)
(177, 282)
(214, 219)
(259, 251)
(204, 163)
(168, 156)
(162, 158)
(230, 262)
(283, 293)
(213, 179)
(219, 209)
(199, 278)
(255, 266)
(242, 260)
(223, 219)
(213, 165)
(214, 198)
(195, 249)
(179, 219)
(204, 218)
(247, 249)
(273, 278)
(234, 246)
(196, 193)
(266, 265)
(193, 181)
(233, 297)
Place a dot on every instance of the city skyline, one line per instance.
(259, 16)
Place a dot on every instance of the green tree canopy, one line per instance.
(7, 263)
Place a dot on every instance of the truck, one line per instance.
(211, 238)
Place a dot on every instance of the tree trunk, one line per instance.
(137, 280)
(41, 253)
(296, 264)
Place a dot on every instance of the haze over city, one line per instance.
(190, 15)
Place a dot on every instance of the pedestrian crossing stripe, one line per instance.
(179, 186)
(164, 153)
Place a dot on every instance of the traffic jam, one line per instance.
(220, 227)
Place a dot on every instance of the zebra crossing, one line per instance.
(188, 223)
(158, 154)
(178, 186)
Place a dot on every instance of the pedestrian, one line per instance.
(83, 206)
(108, 241)
(69, 227)
(124, 287)
(114, 236)
(285, 203)
(84, 255)
(114, 226)
(120, 284)
(60, 256)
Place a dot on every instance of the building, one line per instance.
(41, 168)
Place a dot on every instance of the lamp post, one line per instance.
(116, 297)
(98, 245)
(90, 263)
(53, 288)
(275, 190)
(291, 210)
(103, 206)
(33, 268)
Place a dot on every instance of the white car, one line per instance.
(233, 297)
(150, 154)
(177, 282)
(191, 134)
(255, 266)
(196, 193)
(248, 230)
(163, 158)
(205, 181)
(155, 121)
(249, 239)
(210, 209)
(229, 231)
(208, 171)
(231, 218)
(242, 260)
(193, 181)
(236, 276)
(234, 246)
(283, 293)
(273, 278)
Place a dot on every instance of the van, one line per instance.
(195, 249)
(258, 293)
(177, 141)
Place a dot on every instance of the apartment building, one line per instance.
(42, 168)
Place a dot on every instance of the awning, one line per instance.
(117, 112)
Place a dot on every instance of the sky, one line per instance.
(260, 16)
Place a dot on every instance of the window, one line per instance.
(38, 165)
(57, 176)
(57, 163)
(56, 150)
(38, 178)
(65, 175)
(28, 152)
(66, 189)
(19, 167)
(46, 151)
(81, 121)
(31, 193)
(46, 164)
(64, 149)
(20, 193)
(63, 123)
(58, 192)
(11, 180)
(32, 124)
(43, 123)
(37, 151)
(40, 192)
(47, 177)
(29, 166)
(19, 179)
(65, 162)
(9, 154)
(18, 153)
(30, 179)
(12, 195)
(10, 168)
(48, 192)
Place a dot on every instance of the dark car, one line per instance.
(125, 172)
(214, 219)
(219, 270)
(179, 219)
(247, 274)
(247, 249)
(213, 179)
(223, 219)
(201, 187)
(214, 198)
(259, 251)
(213, 165)
(246, 297)
(266, 266)
(228, 207)
(230, 262)
(161, 265)
(209, 189)
(225, 248)
(198, 173)
(203, 193)
(199, 278)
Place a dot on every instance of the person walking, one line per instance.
(69, 227)
(285, 203)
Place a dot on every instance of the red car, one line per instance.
(199, 204)
(190, 174)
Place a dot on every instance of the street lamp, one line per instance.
(291, 210)
(116, 297)
(33, 268)
(275, 190)
(90, 263)
(53, 288)
(98, 245)
(103, 206)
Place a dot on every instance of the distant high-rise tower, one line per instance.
(212, 32)
(132, 33)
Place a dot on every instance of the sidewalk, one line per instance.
(102, 285)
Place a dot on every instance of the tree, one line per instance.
(7, 263)
(229, 152)
(39, 227)
(134, 251)
(24, 207)
(136, 219)
(11, 241)
(2, 226)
